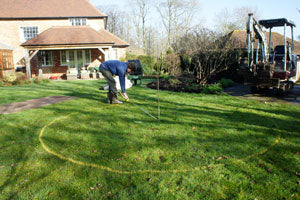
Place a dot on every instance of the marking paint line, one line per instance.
(108, 169)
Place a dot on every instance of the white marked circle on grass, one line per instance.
(109, 169)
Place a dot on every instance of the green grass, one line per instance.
(203, 147)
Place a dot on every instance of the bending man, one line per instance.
(118, 68)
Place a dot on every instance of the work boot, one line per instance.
(109, 97)
(115, 99)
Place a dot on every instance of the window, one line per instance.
(78, 21)
(46, 58)
(80, 57)
(29, 32)
(63, 57)
(87, 56)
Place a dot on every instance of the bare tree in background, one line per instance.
(176, 16)
(117, 22)
(209, 53)
(228, 21)
(150, 39)
(241, 16)
(140, 10)
(113, 20)
(225, 22)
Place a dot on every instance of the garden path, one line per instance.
(34, 103)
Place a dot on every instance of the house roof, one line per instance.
(4, 46)
(238, 39)
(31, 9)
(75, 35)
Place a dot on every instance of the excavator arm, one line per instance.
(255, 33)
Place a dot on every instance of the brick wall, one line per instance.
(56, 70)
(61, 70)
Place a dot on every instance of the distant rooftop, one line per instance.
(31, 9)
(238, 39)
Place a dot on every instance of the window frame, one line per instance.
(77, 21)
(84, 56)
(23, 31)
(43, 59)
(67, 57)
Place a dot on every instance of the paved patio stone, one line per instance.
(34, 103)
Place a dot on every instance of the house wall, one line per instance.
(61, 70)
(122, 52)
(10, 32)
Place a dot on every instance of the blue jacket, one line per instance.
(117, 68)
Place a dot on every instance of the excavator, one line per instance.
(267, 67)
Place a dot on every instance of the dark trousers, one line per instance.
(110, 80)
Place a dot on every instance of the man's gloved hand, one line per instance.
(125, 96)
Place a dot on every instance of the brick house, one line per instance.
(57, 37)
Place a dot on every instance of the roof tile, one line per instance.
(238, 39)
(74, 35)
(11, 9)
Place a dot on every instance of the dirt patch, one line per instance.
(268, 96)
(182, 84)
(34, 103)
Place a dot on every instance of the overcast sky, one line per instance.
(209, 8)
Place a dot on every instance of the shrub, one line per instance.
(9, 78)
(174, 81)
(226, 82)
(21, 78)
(44, 81)
(193, 88)
(38, 80)
(173, 64)
(35, 80)
(148, 63)
(213, 89)
(185, 62)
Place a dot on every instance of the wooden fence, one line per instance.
(6, 61)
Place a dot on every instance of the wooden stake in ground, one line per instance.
(158, 99)
(158, 102)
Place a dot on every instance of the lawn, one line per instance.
(203, 146)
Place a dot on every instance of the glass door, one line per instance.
(79, 59)
(72, 62)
